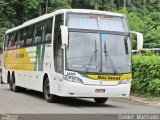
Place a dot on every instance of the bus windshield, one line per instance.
(97, 22)
(98, 53)
(98, 44)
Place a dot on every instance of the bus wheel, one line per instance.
(46, 91)
(10, 83)
(100, 100)
(13, 85)
(1, 80)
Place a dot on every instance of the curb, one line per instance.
(143, 101)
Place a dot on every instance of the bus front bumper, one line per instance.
(71, 89)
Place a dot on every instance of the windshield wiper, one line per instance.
(94, 55)
(110, 59)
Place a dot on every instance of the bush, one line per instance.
(146, 75)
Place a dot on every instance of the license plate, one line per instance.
(100, 90)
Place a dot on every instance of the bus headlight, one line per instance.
(73, 79)
(126, 81)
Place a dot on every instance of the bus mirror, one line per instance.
(64, 35)
(139, 39)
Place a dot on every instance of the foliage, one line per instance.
(135, 23)
(146, 75)
(143, 15)
(151, 30)
(15, 12)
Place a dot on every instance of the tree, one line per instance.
(143, 15)
(151, 31)
(108, 5)
(96, 4)
(81, 4)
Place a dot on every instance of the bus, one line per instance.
(74, 53)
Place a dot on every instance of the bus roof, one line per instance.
(43, 17)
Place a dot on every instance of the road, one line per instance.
(31, 102)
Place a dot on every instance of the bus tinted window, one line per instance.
(10, 40)
(48, 30)
(58, 52)
(39, 29)
(97, 22)
(58, 22)
(29, 36)
(16, 39)
(21, 40)
(6, 42)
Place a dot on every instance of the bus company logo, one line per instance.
(19, 55)
(102, 77)
(108, 77)
(71, 74)
(7, 55)
(101, 16)
(114, 77)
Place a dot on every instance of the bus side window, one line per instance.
(58, 22)
(25, 35)
(17, 39)
(48, 30)
(29, 36)
(6, 42)
(38, 33)
(10, 41)
(21, 40)
(14, 42)
(58, 51)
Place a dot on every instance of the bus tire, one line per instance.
(1, 80)
(46, 91)
(100, 100)
(14, 87)
(10, 82)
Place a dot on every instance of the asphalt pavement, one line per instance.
(32, 102)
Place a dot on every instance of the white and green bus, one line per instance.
(70, 53)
